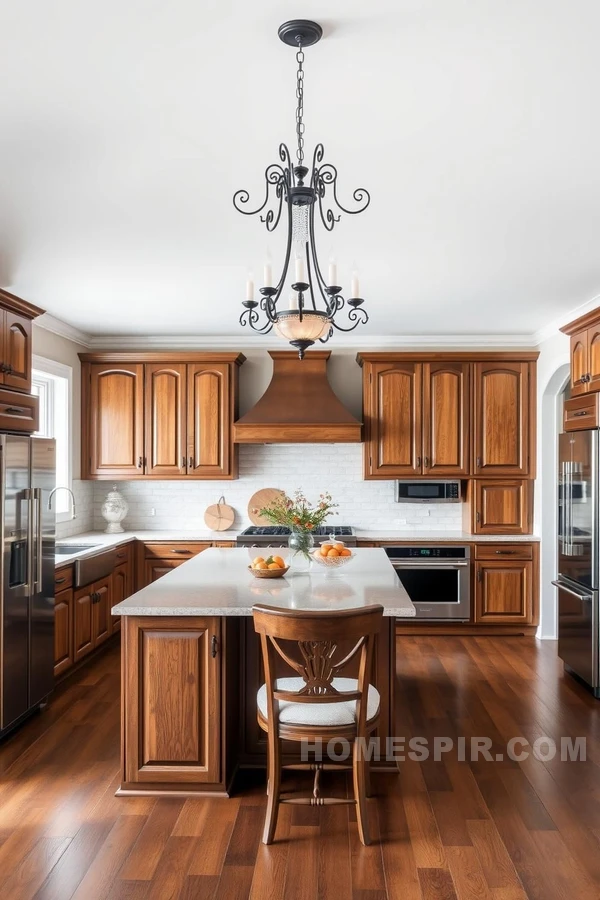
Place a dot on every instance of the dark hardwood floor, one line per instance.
(449, 829)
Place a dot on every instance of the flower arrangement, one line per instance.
(297, 513)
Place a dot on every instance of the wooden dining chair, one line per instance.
(316, 704)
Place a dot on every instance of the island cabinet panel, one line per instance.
(122, 588)
(446, 419)
(504, 591)
(115, 421)
(209, 420)
(172, 713)
(393, 413)
(165, 415)
(503, 418)
(157, 559)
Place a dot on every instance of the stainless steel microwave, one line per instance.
(428, 492)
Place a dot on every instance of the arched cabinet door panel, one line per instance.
(593, 348)
(580, 363)
(165, 392)
(209, 420)
(446, 418)
(503, 418)
(17, 351)
(116, 420)
(394, 420)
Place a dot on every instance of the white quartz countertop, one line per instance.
(102, 541)
(218, 583)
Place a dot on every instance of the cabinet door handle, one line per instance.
(191, 462)
(478, 462)
(478, 516)
(183, 462)
(140, 462)
(478, 574)
(9, 369)
(93, 596)
(418, 462)
(213, 646)
(426, 462)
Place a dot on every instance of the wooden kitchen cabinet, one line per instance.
(165, 419)
(113, 420)
(172, 717)
(16, 340)
(157, 559)
(499, 506)
(446, 419)
(504, 418)
(449, 415)
(162, 415)
(393, 408)
(584, 334)
(504, 591)
(92, 605)
(63, 631)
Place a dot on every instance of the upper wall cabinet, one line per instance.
(159, 415)
(15, 341)
(416, 418)
(504, 418)
(448, 415)
(585, 353)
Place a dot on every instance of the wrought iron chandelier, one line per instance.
(317, 306)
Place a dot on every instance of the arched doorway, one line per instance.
(556, 392)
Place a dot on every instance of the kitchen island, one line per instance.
(191, 666)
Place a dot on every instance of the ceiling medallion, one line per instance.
(315, 306)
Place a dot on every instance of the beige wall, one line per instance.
(59, 349)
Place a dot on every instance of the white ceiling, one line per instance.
(127, 125)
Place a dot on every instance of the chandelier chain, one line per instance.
(300, 104)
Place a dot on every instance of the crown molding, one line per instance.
(364, 342)
(63, 329)
(554, 327)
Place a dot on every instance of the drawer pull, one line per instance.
(506, 552)
(14, 410)
(582, 412)
(186, 552)
(60, 580)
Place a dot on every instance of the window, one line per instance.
(51, 381)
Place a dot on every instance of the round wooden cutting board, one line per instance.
(219, 516)
(259, 500)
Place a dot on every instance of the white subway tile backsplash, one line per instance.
(312, 467)
(84, 497)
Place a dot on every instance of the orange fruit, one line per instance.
(274, 565)
(261, 565)
(345, 552)
(333, 552)
(338, 545)
(280, 561)
(325, 548)
(256, 561)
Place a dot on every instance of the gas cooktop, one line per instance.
(264, 534)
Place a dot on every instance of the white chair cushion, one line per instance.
(323, 714)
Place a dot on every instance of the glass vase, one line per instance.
(300, 544)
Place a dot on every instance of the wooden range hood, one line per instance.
(299, 406)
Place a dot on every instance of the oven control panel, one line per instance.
(428, 552)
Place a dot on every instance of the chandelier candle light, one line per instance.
(313, 308)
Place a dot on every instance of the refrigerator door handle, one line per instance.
(37, 498)
(27, 495)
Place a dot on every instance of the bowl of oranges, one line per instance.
(332, 554)
(269, 567)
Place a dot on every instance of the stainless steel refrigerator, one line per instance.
(578, 544)
(27, 472)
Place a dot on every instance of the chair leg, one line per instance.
(368, 788)
(360, 796)
(273, 787)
